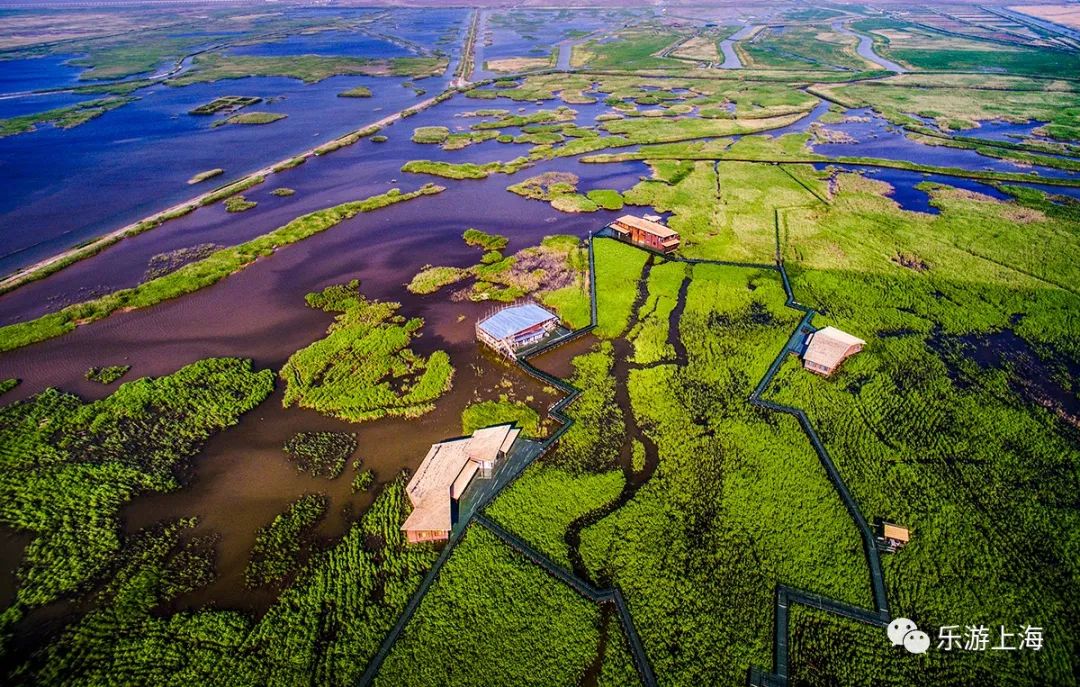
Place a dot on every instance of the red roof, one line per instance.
(654, 228)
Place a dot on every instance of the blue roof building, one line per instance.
(515, 327)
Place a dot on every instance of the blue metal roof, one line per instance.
(514, 319)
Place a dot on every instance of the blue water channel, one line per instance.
(546, 29)
(335, 43)
(26, 74)
(876, 137)
(66, 186)
(908, 196)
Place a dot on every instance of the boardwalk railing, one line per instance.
(613, 595)
(785, 595)
(474, 514)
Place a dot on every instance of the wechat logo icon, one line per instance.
(903, 632)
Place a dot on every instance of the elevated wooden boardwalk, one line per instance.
(785, 595)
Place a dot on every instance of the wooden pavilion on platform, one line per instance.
(444, 475)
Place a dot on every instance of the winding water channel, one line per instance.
(866, 48)
(241, 480)
(727, 47)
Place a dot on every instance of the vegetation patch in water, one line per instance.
(363, 479)
(276, 553)
(226, 103)
(560, 189)
(252, 118)
(63, 117)
(487, 413)
(484, 240)
(364, 369)
(238, 203)
(346, 140)
(290, 163)
(555, 272)
(546, 186)
(357, 92)
(560, 114)
(211, 67)
(232, 189)
(464, 170)
(606, 199)
(107, 374)
(431, 279)
(573, 202)
(457, 141)
(69, 467)
(430, 134)
(197, 275)
(321, 454)
(203, 176)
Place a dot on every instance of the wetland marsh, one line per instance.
(206, 449)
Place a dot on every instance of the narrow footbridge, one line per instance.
(613, 595)
(785, 595)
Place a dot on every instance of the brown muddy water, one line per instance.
(242, 478)
(351, 173)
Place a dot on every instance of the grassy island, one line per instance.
(226, 103)
(484, 240)
(487, 413)
(364, 369)
(463, 170)
(196, 275)
(290, 163)
(357, 92)
(252, 118)
(107, 375)
(555, 272)
(560, 189)
(346, 140)
(430, 134)
(238, 204)
(63, 117)
(203, 176)
(211, 67)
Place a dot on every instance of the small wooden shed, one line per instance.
(827, 348)
(894, 536)
(647, 233)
